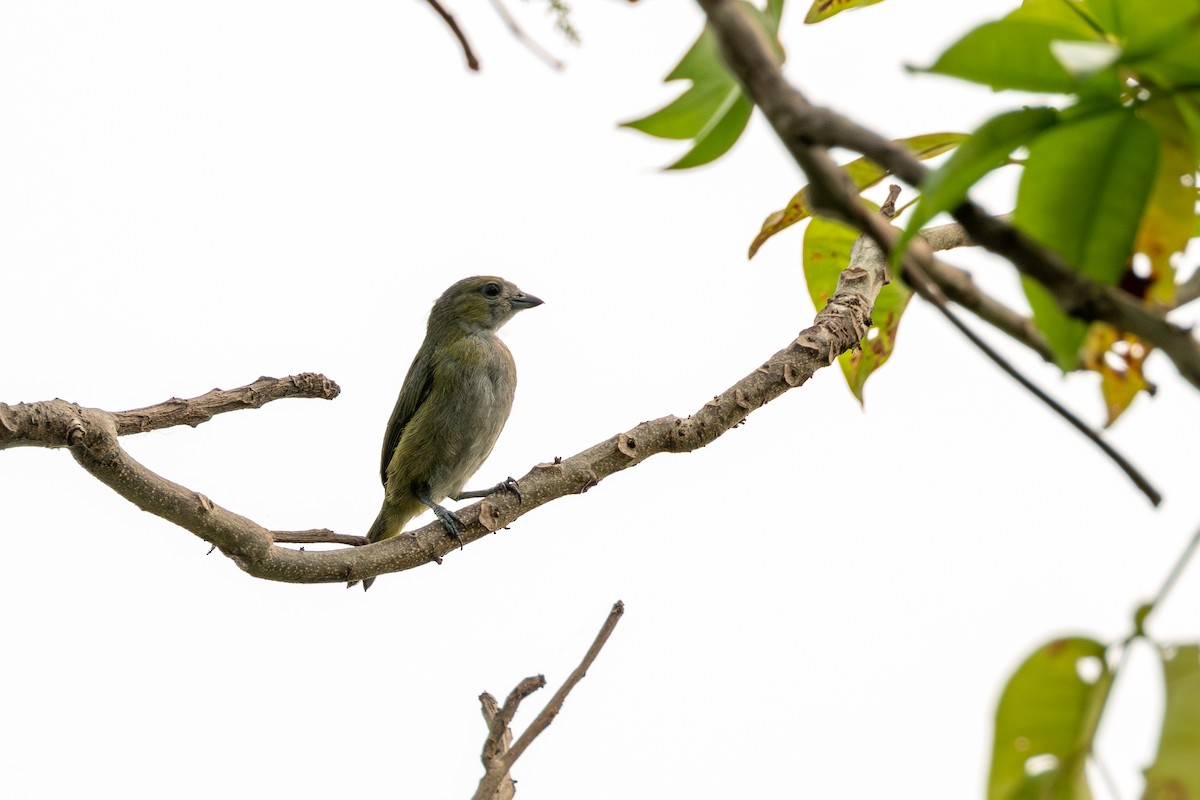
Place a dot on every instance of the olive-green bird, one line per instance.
(452, 407)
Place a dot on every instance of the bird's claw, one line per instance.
(509, 484)
(451, 523)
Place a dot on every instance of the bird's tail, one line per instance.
(373, 535)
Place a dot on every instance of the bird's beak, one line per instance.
(525, 301)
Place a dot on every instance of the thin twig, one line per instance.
(498, 757)
(960, 288)
(472, 61)
(496, 745)
(513, 701)
(1173, 576)
(524, 38)
(547, 714)
(916, 276)
(317, 536)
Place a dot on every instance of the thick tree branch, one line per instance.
(498, 757)
(92, 435)
(808, 130)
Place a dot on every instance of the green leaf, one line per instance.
(1145, 30)
(1082, 194)
(774, 14)
(1045, 723)
(1074, 16)
(985, 150)
(1011, 54)
(1176, 770)
(713, 111)
(824, 9)
(1176, 65)
(826, 249)
(863, 172)
(724, 129)
(1188, 106)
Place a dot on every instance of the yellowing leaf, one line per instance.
(863, 172)
(824, 9)
(1118, 358)
(1169, 217)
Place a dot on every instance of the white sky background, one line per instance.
(821, 603)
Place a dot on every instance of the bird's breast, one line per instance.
(475, 390)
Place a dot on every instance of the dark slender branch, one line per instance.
(498, 757)
(961, 289)
(917, 277)
(807, 131)
(524, 38)
(472, 61)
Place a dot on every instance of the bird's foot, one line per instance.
(449, 519)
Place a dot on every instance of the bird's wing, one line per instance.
(416, 388)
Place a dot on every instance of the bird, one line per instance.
(453, 404)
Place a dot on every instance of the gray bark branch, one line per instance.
(498, 754)
(92, 435)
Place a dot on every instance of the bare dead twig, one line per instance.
(498, 757)
(498, 746)
(472, 61)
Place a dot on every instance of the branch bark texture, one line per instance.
(92, 436)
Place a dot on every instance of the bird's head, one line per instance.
(482, 303)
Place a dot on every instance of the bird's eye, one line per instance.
(491, 290)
